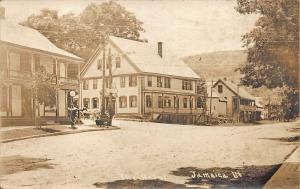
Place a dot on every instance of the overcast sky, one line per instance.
(186, 27)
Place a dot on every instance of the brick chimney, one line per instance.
(159, 49)
(2, 13)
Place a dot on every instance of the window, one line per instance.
(85, 84)
(95, 83)
(185, 102)
(132, 101)
(123, 101)
(167, 82)
(187, 85)
(122, 81)
(176, 102)
(159, 81)
(86, 102)
(132, 81)
(149, 81)
(191, 103)
(118, 62)
(148, 101)
(99, 64)
(220, 88)
(160, 102)
(95, 102)
(167, 102)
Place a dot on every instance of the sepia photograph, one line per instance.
(149, 94)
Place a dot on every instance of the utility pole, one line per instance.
(110, 85)
(269, 106)
(238, 99)
(210, 100)
(103, 81)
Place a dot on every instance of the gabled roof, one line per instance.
(145, 59)
(30, 38)
(211, 92)
(240, 91)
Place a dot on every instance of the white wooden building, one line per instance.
(144, 84)
(22, 50)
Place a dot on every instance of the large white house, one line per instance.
(22, 51)
(144, 84)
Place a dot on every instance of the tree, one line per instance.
(273, 47)
(81, 34)
(43, 91)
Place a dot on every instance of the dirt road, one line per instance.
(145, 151)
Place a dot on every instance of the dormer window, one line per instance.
(220, 88)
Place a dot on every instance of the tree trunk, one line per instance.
(39, 118)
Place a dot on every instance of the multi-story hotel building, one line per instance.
(143, 83)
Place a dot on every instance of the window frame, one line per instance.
(159, 81)
(185, 103)
(148, 101)
(132, 81)
(85, 84)
(123, 81)
(99, 64)
(187, 85)
(160, 102)
(97, 102)
(167, 102)
(149, 81)
(121, 105)
(83, 102)
(167, 82)
(95, 83)
(132, 101)
(220, 88)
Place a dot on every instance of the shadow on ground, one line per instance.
(285, 139)
(140, 184)
(214, 178)
(227, 177)
(14, 164)
(49, 130)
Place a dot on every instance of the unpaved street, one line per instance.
(144, 151)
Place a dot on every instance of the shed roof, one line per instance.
(30, 38)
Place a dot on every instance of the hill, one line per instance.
(217, 65)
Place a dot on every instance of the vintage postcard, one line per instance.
(158, 94)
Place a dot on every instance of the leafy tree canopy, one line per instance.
(44, 87)
(81, 34)
(273, 47)
(273, 44)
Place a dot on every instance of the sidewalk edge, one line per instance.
(59, 133)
